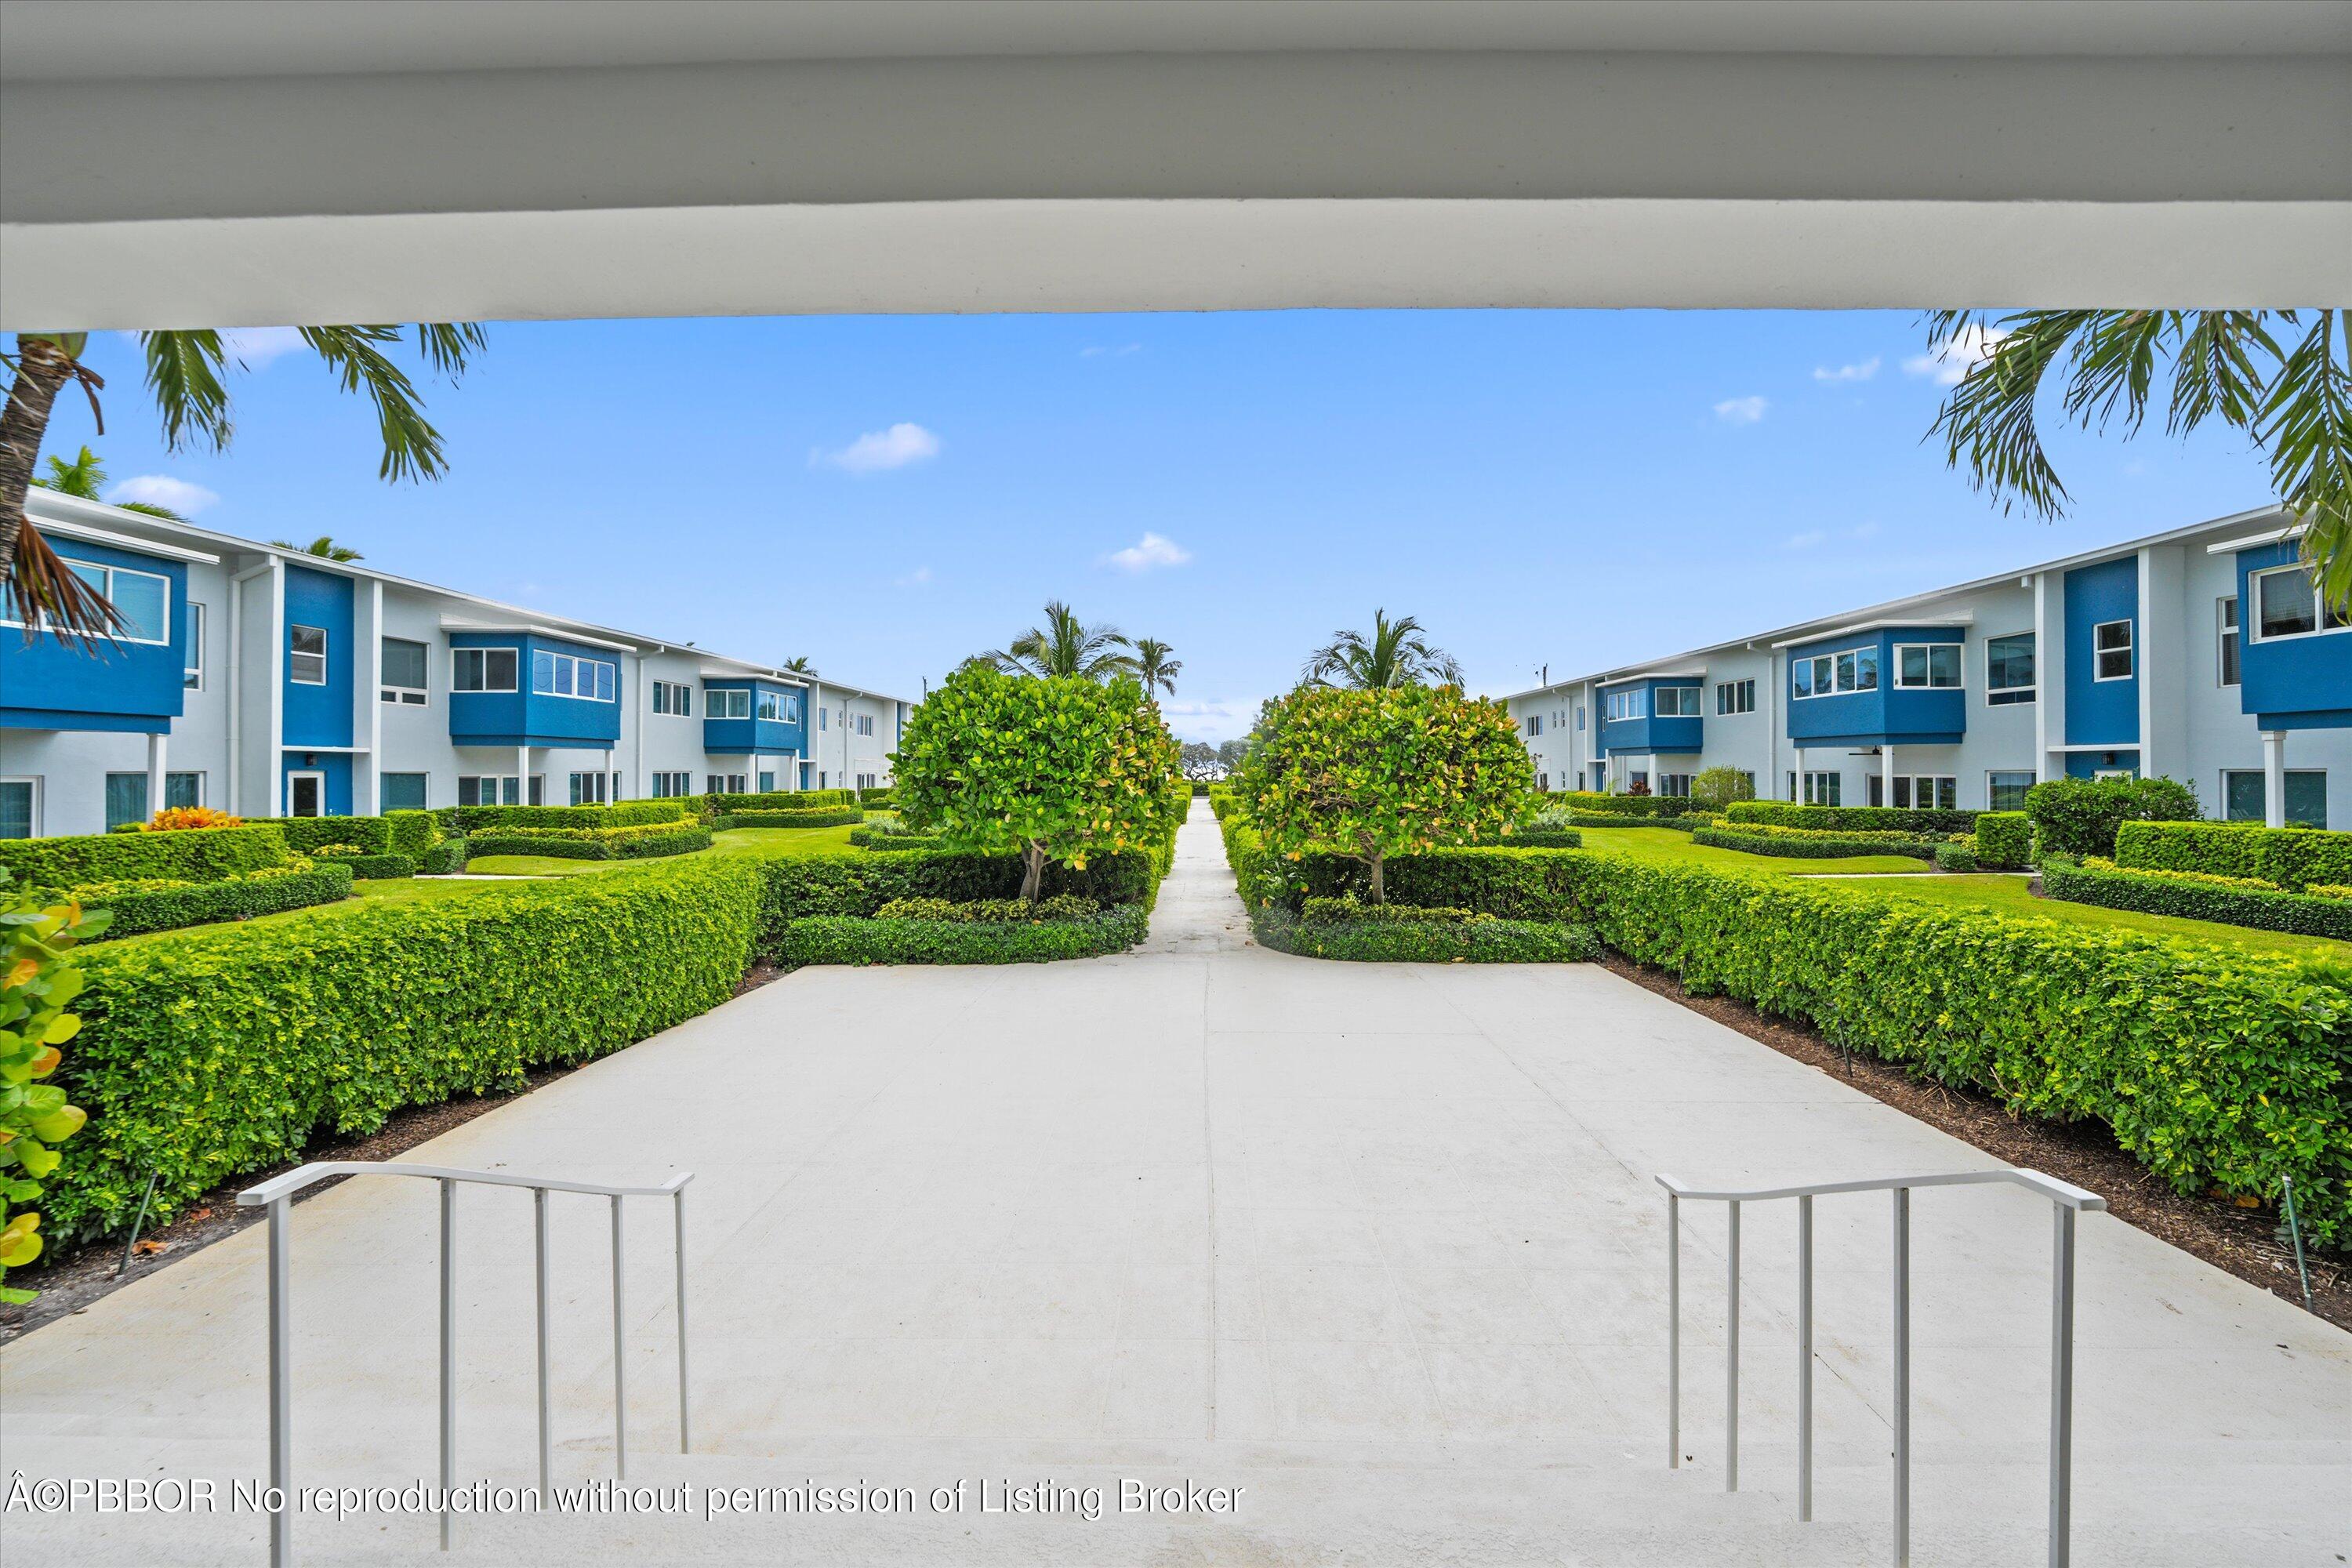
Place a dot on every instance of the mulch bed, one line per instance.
(81, 1274)
(2241, 1241)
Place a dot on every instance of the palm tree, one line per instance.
(85, 477)
(324, 545)
(799, 665)
(184, 370)
(2282, 377)
(1066, 646)
(1398, 653)
(1154, 668)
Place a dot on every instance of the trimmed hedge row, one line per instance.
(879, 797)
(989, 912)
(1810, 844)
(2004, 839)
(856, 884)
(1480, 940)
(470, 819)
(268, 891)
(1850, 818)
(408, 833)
(2294, 857)
(1594, 803)
(873, 838)
(849, 939)
(644, 841)
(2197, 896)
(207, 1054)
(370, 868)
(192, 855)
(777, 800)
(1549, 838)
(811, 816)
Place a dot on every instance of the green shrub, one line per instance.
(1763, 838)
(2080, 816)
(877, 798)
(644, 840)
(627, 814)
(1328, 911)
(1592, 803)
(39, 983)
(1483, 940)
(311, 835)
(810, 816)
(778, 800)
(2328, 890)
(1958, 855)
(989, 912)
(858, 884)
(208, 1054)
(197, 855)
(2004, 840)
(873, 837)
(368, 867)
(413, 832)
(1750, 813)
(2197, 896)
(1547, 839)
(845, 939)
(1715, 789)
(2293, 857)
(161, 905)
(443, 859)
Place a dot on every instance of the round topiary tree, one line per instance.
(1715, 788)
(1053, 768)
(2079, 816)
(1372, 773)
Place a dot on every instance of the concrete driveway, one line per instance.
(1377, 1245)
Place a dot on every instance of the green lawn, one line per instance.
(2010, 895)
(1668, 844)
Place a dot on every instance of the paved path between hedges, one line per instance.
(1377, 1242)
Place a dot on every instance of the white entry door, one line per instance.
(306, 794)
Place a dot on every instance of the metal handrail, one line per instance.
(2066, 1201)
(276, 1196)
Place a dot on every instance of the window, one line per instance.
(1926, 791)
(1926, 666)
(2306, 796)
(183, 789)
(481, 669)
(866, 781)
(727, 702)
(726, 783)
(1677, 702)
(1674, 784)
(401, 792)
(1618, 706)
(567, 675)
(126, 799)
(2007, 791)
(403, 672)
(822, 714)
(767, 782)
(144, 600)
(1823, 789)
(1735, 697)
(591, 789)
(306, 655)
(489, 790)
(1579, 715)
(2286, 606)
(2009, 669)
(773, 707)
(669, 785)
(1543, 784)
(1535, 724)
(20, 800)
(866, 723)
(674, 696)
(193, 676)
(2111, 649)
(1834, 674)
(2228, 608)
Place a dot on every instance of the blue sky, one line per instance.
(890, 494)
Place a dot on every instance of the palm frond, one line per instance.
(183, 372)
(412, 447)
(1988, 421)
(2306, 425)
(449, 346)
(44, 595)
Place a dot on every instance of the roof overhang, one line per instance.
(2256, 540)
(56, 514)
(534, 629)
(1926, 623)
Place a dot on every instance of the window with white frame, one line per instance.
(402, 792)
(726, 783)
(488, 789)
(866, 781)
(1735, 697)
(404, 664)
(1824, 789)
(2009, 669)
(2288, 605)
(2006, 791)
(2226, 660)
(2245, 797)
(727, 702)
(1926, 666)
(306, 655)
(20, 806)
(2111, 650)
(822, 717)
(669, 785)
(142, 600)
(866, 723)
(1675, 785)
(1677, 702)
(1535, 724)
(1618, 706)
(1927, 792)
(1834, 674)
(481, 669)
(184, 790)
(591, 789)
(674, 696)
(192, 675)
(570, 675)
(778, 707)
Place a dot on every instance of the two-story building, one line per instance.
(2201, 654)
(270, 682)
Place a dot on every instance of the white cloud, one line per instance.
(1151, 550)
(255, 347)
(1862, 530)
(877, 451)
(1811, 539)
(162, 489)
(1948, 360)
(1109, 351)
(1862, 372)
(1741, 410)
(915, 579)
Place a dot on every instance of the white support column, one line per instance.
(616, 794)
(2275, 778)
(1887, 776)
(368, 771)
(156, 746)
(1797, 760)
(522, 775)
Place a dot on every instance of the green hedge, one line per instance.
(877, 798)
(1548, 839)
(778, 800)
(2081, 816)
(644, 841)
(1812, 845)
(1959, 856)
(1850, 818)
(873, 838)
(1342, 910)
(856, 883)
(187, 854)
(1483, 940)
(268, 891)
(1594, 803)
(2294, 857)
(373, 867)
(2197, 896)
(205, 1054)
(627, 814)
(2005, 839)
(989, 912)
(813, 816)
(447, 856)
(849, 939)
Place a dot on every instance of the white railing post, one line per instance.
(449, 1350)
(2061, 1384)
(281, 1386)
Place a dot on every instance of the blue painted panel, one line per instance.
(529, 718)
(2101, 712)
(1650, 736)
(2090, 764)
(741, 737)
(320, 715)
(2290, 683)
(336, 765)
(1886, 716)
(52, 684)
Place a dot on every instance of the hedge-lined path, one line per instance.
(1378, 1243)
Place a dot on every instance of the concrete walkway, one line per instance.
(1379, 1245)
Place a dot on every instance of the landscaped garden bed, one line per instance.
(164, 879)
